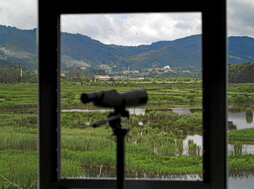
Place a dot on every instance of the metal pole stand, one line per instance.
(114, 120)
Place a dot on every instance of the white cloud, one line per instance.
(133, 29)
(240, 17)
(130, 29)
(19, 13)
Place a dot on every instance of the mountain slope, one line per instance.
(91, 51)
(18, 40)
(241, 49)
(168, 55)
(19, 46)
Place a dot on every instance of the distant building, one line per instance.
(103, 77)
(167, 69)
(134, 71)
(125, 72)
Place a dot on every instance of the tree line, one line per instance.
(15, 73)
(241, 73)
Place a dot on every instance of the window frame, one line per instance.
(214, 75)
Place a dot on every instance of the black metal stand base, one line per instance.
(114, 120)
(120, 150)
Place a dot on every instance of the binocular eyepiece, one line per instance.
(113, 99)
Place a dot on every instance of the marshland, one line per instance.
(164, 141)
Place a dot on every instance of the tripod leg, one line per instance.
(120, 134)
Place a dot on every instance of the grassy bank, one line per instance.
(243, 136)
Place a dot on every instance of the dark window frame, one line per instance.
(214, 91)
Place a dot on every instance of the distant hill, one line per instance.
(168, 55)
(241, 49)
(19, 46)
(241, 73)
(94, 53)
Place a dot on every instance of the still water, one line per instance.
(241, 182)
(239, 119)
(136, 111)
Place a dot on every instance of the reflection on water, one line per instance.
(186, 110)
(249, 115)
(243, 182)
(236, 180)
(86, 110)
(245, 149)
(197, 139)
(106, 172)
(181, 111)
(240, 120)
(135, 111)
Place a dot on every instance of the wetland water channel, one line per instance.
(239, 121)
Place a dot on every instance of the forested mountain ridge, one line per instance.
(19, 46)
(240, 49)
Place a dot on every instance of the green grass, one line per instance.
(18, 120)
(18, 138)
(244, 136)
(86, 139)
(18, 94)
(18, 168)
(150, 164)
(241, 163)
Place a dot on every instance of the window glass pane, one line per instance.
(240, 122)
(240, 94)
(18, 95)
(160, 52)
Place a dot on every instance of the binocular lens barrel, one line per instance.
(89, 97)
(111, 98)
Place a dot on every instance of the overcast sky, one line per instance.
(133, 29)
(130, 29)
